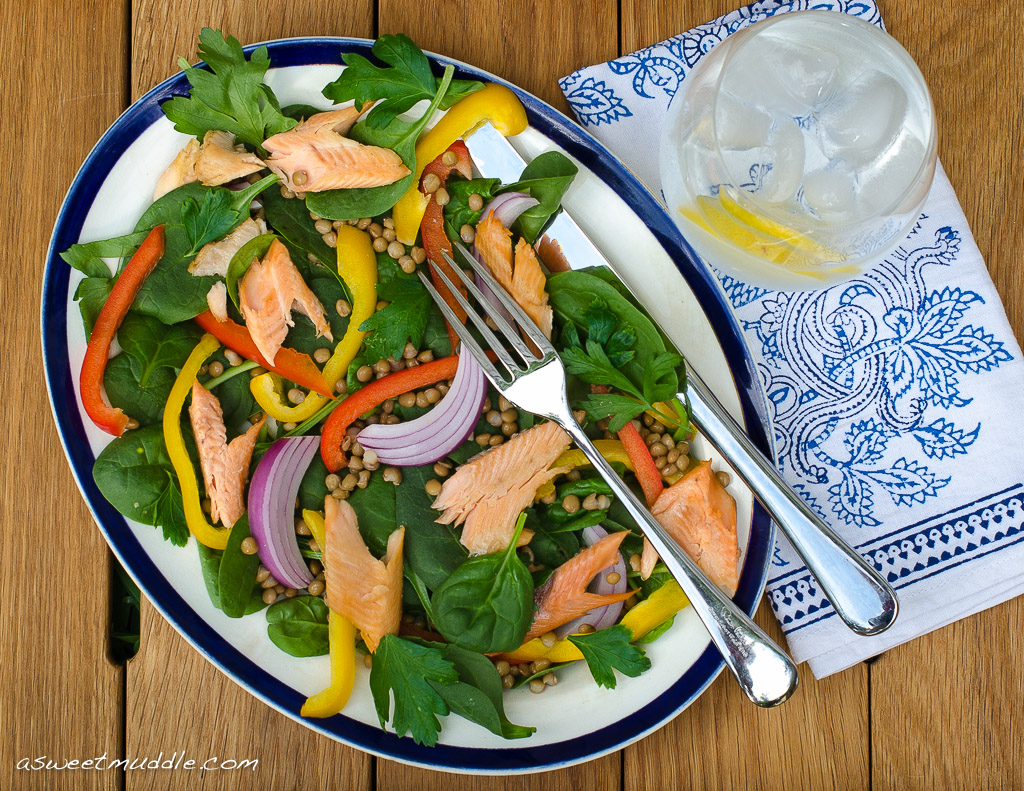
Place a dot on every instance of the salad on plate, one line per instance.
(281, 387)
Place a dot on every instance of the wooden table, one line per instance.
(946, 711)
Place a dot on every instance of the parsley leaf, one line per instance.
(404, 319)
(204, 222)
(594, 367)
(610, 649)
(409, 670)
(620, 408)
(660, 378)
(397, 87)
(231, 96)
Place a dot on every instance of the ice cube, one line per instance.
(829, 192)
(887, 179)
(781, 76)
(784, 154)
(738, 124)
(864, 119)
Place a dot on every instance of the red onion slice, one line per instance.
(441, 430)
(602, 617)
(272, 493)
(508, 206)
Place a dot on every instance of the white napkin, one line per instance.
(895, 397)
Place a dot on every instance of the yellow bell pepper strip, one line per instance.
(492, 103)
(643, 618)
(611, 449)
(205, 533)
(341, 638)
(357, 265)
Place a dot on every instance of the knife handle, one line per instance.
(858, 593)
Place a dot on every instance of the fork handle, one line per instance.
(858, 593)
(766, 674)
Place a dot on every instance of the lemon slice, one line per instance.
(761, 236)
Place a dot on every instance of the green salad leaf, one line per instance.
(299, 626)
(611, 649)
(432, 551)
(242, 260)
(546, 178)
(231, 96)
(395, 88)
(237, 576)
(486, 605)
(88, 257)
(398, 135)
(209, 220)
(477, 695)
(409, 672)
(405, 318)
(91, 295)
(135, 474)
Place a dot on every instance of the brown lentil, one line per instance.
(290, 593)
(389, 235)
(509, 415)
(375, 230)
(467, 233)
(441, 197)
(331, 239)
(433, 487)
(342, 387)
(431, 182)
(396, 365)
(450, 158)
(288, 426)
(299, 177)
(603, 502)
(364, 479)
(301, 528)
(441, 469)
(476, 201)
(279, 588)
(508, 429)
(539, 665)
(389, 222)
(548, 639)
(502, 667)
(586, 628)
(634, 561)
(425, 356)
(683, 448)
(508, 681)
(233, 357)
(658, 449)
(348, 483)
(407, 399)
(343, 307)
(537, 686)
(369, 457)
(286, 193)
(669, 469)
(661, 462)
(573, 475)
(419, 255)
(392, 475)
(269, 582)
(322, 355)
(496, 439)
(132, 423)
(612, 578)
(571, 504)
(432, 394)
(249, 546)
(382, 366)
(296, 396)
(421, 400)
(269, 597)
(368, 660)
(262, 573)
(672, 456)
(493, 417)
(590, 502)
(483, 440)
(407, 264)
(549, 679)
(316, 588)
(355, 463)
(396, 250)
(364, 223)
(322, 226)
(547, 499)
(380, 244)
(313, 545)
(723, 477)
(504, 404)
(216, 368)
(315, 567)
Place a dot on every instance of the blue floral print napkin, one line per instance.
(895, 398)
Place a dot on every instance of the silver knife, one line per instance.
(864, 601)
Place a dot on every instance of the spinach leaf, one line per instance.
(299, 626)
(91, 295)
(209, 562)
(457, 212)
(242, 260)
(432, 551)
(135, 474)
(142, 401)
(550, 549)
(411, 672)
(546, 178)
(153, 345)
(656, 632)
(608, 650)
(290, 218)
(170, 292)
(478, 694)
(236, 399)
(400, 136)
(88, 257)
(375, 509)
(313, 488)
(487, 603)
(237, 575)
(231, 96)
(435, 334)
(302, 337)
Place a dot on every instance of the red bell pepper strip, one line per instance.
(372, 396)
(432, 233)
(109, 418)
(290, 364)
(643, 463)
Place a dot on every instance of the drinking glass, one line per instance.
(800, 151)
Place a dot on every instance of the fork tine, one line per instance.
(468, 341)
(529, 327)
(511, 333)
(500, 352)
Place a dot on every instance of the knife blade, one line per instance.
(862, 599)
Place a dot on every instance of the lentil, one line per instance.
(322, 355)
(603, 502)
(389, 222)
(590, 502)
(364, 223)
(508, 429)
(348, 483)
(315, 567)
(433, 487)
(467, 233)
(322, 226)
(634, 561)
(262, 573)
(431, 182)
(425, 356)
(419, 255)
(483, 440)
(389, 235)
(586, 628)
(249, 546)
(375, 230)
(407, 264)
(612, 578)
(441, 197)
(380, 244)
(364, 479)
(508, 681)
(493, 417)
(343, 307)
(441, 469)
(537, 686)
(301, 528)
(496, 439)
(504, 403)
(331, 239)
(392, 475)
(288, 426)
(723, 477)
(382, 366)
(450, 158)
(269, 597)
(216, 368)
(396, 249)
(316, 588)
(368, 660)
(290, 593)
(476, 201)
(539, 665)
(299, 177)
(407, 399)
(658, 449)
(296, 396)
(502, 667)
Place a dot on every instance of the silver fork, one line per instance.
(536, 383)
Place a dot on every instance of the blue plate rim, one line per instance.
(59, 380)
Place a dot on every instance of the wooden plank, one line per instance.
(948, 709)
(232, 723)
(60, 696)
(531, 44)
(819, 738)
